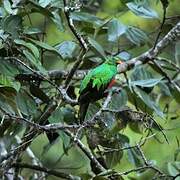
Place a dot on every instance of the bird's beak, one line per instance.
(119, 62)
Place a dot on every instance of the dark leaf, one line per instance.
(34, 61)
(30, 46)
(134, 99)
(44, 45)
(69, 115)
(149, 101)
(26, 103)
(141, 73)
(165, 3)
(92, 109)
(7, 102)
(97, 46)
(56, 117)
(134, 157)
(118, 100)
(7, 68)
(66, 141)
(12, 25)
(113, 158)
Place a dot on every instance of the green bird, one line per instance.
(95, 83)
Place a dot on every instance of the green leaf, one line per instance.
(173, 169)
(57, 4)
(141, 73)
(175, 91)
(142, 8)
(92, 109)
(8, 82)
(177, 52)
(176, 154)
(69, 115)
(118, 100)
(56, 117)
(115, 30)
(124, 55)
(12, 25)
(136, 35)
(66, 141)
(44, 3)
(134, 157)
(56, 18)
(66, 49)
(7, 6)
(146, 82)
(97, 46)
(86, 17)
(7, 68)
(31, 30)
(134, 99)
(2, 12)
(7, 101)
(26, 103)
(114, 158)
(148, 101)
(30, 46)
(164, 89)
(35, 62)
(44, 45)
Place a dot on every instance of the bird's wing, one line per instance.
(99, 76)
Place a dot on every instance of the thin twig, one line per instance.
(81, 40)
(44, 169)
(85, 150)
(161, 27)
(62, 92)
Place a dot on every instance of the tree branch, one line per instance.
(61, 91)
(43, 169)
(81, 40)
(172, 36)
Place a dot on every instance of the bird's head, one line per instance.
(113, 60)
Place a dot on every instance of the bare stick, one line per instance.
(43, 169)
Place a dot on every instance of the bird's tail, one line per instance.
(82, 111)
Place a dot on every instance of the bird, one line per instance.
(94, 85)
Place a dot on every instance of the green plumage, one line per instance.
(100, 76)
(95, 83)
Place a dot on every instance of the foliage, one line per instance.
(41, 41)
